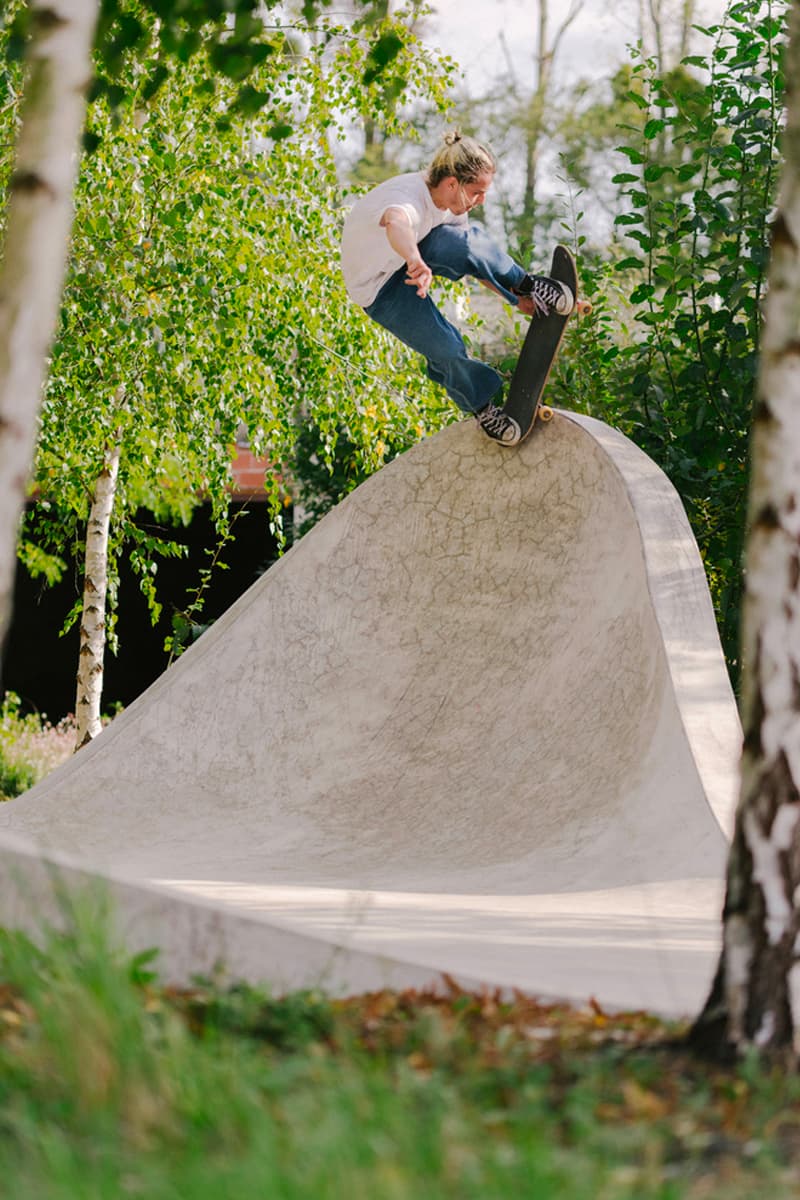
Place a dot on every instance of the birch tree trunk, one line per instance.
(665, 31)
(687, 21)
(546, 51)
(755, 1000)
(658, 34)
(39, 218)
(95, 590)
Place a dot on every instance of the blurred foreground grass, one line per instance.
(114, 1085)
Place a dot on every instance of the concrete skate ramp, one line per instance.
(476, 721)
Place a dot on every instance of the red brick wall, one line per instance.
(248, 474)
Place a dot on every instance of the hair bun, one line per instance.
(462, 157)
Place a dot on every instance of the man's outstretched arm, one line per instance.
(403, 241)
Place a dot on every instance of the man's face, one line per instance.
(469, 195)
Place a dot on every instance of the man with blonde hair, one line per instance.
(414, 226)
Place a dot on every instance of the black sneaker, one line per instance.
(549, 295)
(498, 425)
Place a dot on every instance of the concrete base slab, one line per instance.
(477, 721)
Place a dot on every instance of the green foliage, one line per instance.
(185, 627)
(203, 291)
(700, 223)
(328, 463)
(289, 1023)
(678, 374)
(15, 777)
(10, 88)
(30, 747)
(228, 39)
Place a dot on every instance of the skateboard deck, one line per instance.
(539, 351)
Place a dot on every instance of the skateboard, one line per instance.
(540, 349)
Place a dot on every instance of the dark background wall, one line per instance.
(40, 666)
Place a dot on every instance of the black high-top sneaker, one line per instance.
(498, 425)
(549, 295)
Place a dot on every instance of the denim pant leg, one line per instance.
(457, 250)
(417, 321)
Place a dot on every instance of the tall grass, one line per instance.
(112, 1085)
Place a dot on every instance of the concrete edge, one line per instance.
(195, 936)
(695, 659)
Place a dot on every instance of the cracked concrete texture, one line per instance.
(477, 720)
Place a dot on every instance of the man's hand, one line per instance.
(530, 306)
(403, 240)
(527, 305)
(419, 275)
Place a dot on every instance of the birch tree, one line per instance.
(33, 255)
(187, 313)
(182, 317)
(38, 217)
(525, 107)
(547, 46)
(95, 591)
(665, 29)
(755, 999)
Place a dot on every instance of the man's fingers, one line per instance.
(422, 288)
(419, 276)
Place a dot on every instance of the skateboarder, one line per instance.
(410, 228)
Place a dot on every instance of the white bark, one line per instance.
(755, 998)
(95, 591)
(687, 21)
(665, 31)
(770, 800)
(546, 51)
(658, 33)
(39, 218)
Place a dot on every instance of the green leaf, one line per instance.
(637, 98)
(644, 292)
(249, 100)
(230, 61)
(18, 35)
(138, 967)
(654, 171)
(157, 78)
(129, 32)
(635, 156)
(384, 51)
(653, 128)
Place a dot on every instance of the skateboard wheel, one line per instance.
(545, 413)
(584, 307)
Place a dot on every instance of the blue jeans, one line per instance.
(452, 251)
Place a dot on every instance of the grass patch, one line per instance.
(114, 1085)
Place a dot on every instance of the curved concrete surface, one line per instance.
(477, 721)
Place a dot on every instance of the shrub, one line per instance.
(30, 746)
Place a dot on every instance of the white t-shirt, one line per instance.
(367, 258)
